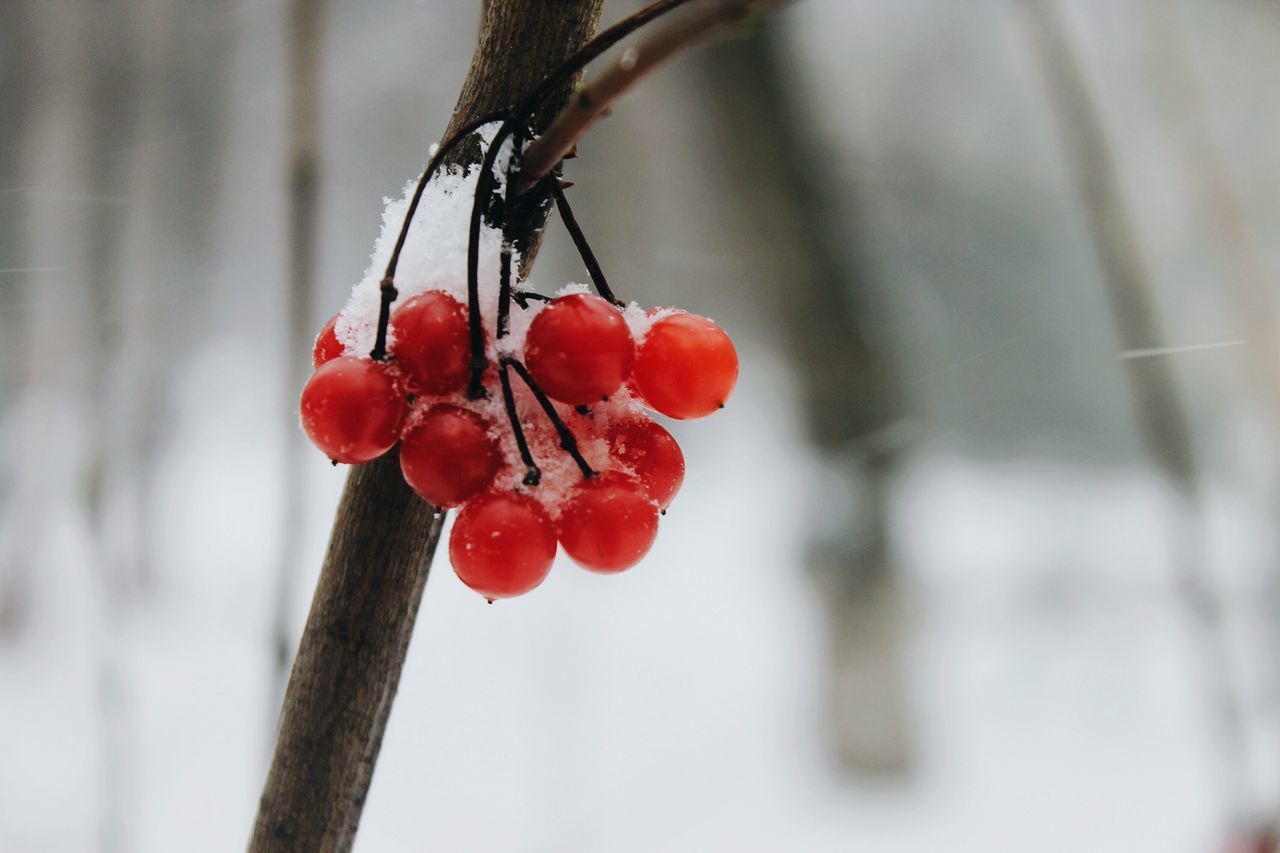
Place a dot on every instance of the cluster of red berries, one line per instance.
(589, 366)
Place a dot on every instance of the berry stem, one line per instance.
(504, 269)
(567, 441)
(533, 475)
(389, 294)
(522, 297)
(504, 287)
(580, 240)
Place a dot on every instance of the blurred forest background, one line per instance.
(983, 555)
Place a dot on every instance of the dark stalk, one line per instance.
(504, 270)
(522, 297)
(389, 295)
(580, 240)
(567, 441)
(534, 476)
(504, 287)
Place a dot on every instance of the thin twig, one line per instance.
(567, 441)
(533, 475)
(580, 240)
(593, 100)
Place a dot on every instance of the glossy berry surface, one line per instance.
(686, 366)
(579, 349)
(652, 454)
(431, 342)
(608, 523)
(327, 346)
(502, 544)
(449, 455)
(352, 410)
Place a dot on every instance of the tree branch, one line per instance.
(594, 100)
(357, 633)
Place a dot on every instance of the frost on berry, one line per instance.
(650, 453)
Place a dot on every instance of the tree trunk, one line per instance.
(1160, 412)
(816, 259)
(353, 646)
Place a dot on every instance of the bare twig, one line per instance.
(580, 242)
(593, 101)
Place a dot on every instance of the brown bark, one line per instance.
(357, 633)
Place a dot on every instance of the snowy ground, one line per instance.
(672, 708)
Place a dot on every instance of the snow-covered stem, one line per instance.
(593, 101)
(353, 647)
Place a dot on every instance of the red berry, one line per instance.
(652, 454)
(502, 544)
(449, 455)
(327, 345)
(686, 366)
(432, 344)
(352, 409)
(608, 523)
(579, 349)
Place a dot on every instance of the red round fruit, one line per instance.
(327, 345)
(608, 523)
(432, 344)
(352, 409)
(449, 455)
(686, 366)
(652, 454)
(502, 544)
(579, 349)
